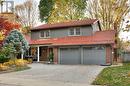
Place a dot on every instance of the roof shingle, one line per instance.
(66, 24)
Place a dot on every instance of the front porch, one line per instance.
(42, 53)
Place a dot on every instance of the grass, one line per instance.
(114, 76)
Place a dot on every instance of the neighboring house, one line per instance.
(126, 57)
(74, 42)
(126, 54)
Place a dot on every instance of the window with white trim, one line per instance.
(45, 34)
(74, 31)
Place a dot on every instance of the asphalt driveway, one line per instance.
(52, 75)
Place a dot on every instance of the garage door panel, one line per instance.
(94, 56)
(86, 56)
(69, 56)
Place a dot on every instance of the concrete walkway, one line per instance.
(52, 75)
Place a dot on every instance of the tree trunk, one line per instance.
(116, 42)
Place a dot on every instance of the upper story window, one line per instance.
(45, 34)
(77, 31)
(71, 32)
(74, 31)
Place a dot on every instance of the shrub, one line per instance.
(30, 60)
(9, 63)
(51, 57)
(3, 58)
(16, 62)
(21, 62)
(5, 53)
(3, 67)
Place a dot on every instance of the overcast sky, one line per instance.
(18, 1)
(21, 1)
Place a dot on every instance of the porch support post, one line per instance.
(38, 54)
(22, 55)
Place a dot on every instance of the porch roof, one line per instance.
(99, 37)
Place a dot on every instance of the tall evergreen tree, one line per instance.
(45, 8)
(17, 41)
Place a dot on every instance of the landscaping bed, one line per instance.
(12, 66)
(114, 76)
(14, 69)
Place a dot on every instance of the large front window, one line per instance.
(45, 34)
(74, 31)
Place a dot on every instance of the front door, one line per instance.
(44, 53)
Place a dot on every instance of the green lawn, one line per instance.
(114, 76)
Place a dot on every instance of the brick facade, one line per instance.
(55, 51)
(108, 54)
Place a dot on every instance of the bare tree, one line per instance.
(27, 13)
(110, 12)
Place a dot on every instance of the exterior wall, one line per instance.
(56, 33)
(34, 34)
(126, 57)
(59, 33)
(86, 31)
(95, 27)
(55, 51)
(108, 55)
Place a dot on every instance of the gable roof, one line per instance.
(66, 24)
(100, 37)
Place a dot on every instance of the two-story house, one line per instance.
(73, 42)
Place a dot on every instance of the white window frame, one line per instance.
(45, 34)
(74, 31)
